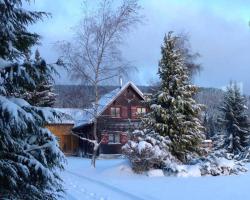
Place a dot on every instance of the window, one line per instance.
(140, 111)
(114, 138)
(115, 112)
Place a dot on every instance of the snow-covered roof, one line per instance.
(110, 97)
(81, 117)
(72, 116)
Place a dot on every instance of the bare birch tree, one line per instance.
(94, 56)
(190, 57)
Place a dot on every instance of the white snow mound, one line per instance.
(155, 173)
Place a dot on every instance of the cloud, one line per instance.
(222, 40)
(218, 30)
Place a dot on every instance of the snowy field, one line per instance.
(114, 180)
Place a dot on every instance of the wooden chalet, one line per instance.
(118, 115)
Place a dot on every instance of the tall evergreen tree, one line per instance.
(234, 121)
(15, 38)
(29, 153)
(174, 112)
(43, 94)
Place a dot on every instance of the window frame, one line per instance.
(140, 110)
(117, 114)
(114, 138)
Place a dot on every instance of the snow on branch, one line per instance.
(37, 147)
(96, 144)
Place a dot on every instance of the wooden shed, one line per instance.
(69, 143)
(62, 129)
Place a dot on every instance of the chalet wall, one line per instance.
(69, 143)
(113, 148)
(113, 130)
(128, 101)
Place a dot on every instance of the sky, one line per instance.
(218, 30)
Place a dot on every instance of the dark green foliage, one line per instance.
(210, 126)
(34, 83)
(234, 121)
(15, 39)
(30, 157)
(42, 94)
(15, 43)
(23, 79)
(174, 111)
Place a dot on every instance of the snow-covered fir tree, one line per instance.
(29, 153)
(234, 137)
(43, 94)
(174, 112)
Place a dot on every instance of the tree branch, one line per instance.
(36, 147)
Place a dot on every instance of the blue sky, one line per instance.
(218, 30)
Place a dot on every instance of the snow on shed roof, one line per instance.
(81, 117)
(74, 116)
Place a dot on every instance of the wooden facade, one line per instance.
(119, 118)
(69, 143)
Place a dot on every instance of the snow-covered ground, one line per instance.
(114, 180)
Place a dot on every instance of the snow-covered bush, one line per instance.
(213, 165)
(219, 163)
(143, 156)
(181, 170)
(221, 166)
(148, 150)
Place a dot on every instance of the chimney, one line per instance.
(120, 81)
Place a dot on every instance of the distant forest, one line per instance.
(79, 96)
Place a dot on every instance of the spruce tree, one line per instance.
(14, 36)
(29, 153)
(174, 112)
(43, 94)
(234, 121)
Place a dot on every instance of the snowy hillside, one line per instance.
(113, 179)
